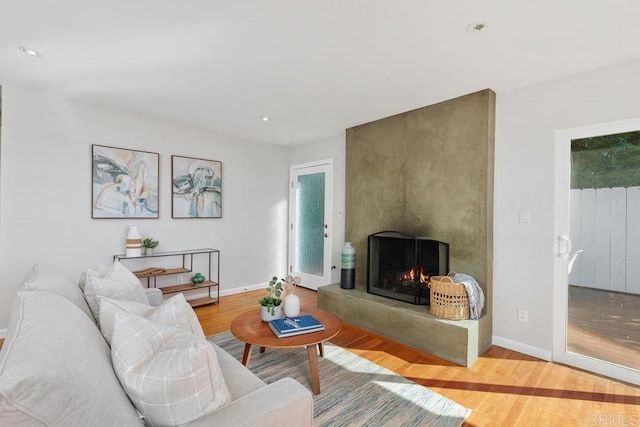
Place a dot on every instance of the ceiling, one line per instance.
(314, 68)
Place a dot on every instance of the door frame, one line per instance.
(562, 248)
(326, 164)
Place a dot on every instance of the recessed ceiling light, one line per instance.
(29, 51)
(476, 27)
(264, 118)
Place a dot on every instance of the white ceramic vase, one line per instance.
(291, 305)
(134, 242)
(266, 315)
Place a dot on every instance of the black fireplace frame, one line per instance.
(373, 251)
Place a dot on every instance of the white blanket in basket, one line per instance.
(474, 291)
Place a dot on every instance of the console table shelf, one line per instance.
(187, 287)
(152, 272)
(198, 302)
(211, 285)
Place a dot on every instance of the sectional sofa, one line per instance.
(56, 369)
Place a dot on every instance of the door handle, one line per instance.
(564, 246)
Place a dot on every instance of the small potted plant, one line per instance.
(271, 305)
(149, 244)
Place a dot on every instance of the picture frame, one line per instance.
(124, 183)
(196, 187)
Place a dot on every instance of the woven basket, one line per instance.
(449, 300)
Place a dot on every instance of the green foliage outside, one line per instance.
(606, 161)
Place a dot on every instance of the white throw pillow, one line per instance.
(171, 376)
(175, 311)
(98, 270)
(119, 283)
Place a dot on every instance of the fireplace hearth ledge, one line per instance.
(458, 341)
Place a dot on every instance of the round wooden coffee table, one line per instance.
(248, 327)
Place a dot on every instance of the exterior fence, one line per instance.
(605, 224)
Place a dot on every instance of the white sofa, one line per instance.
(56, 370)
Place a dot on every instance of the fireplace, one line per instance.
(399, 266)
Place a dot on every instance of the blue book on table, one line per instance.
(296, 324)
(293, 332)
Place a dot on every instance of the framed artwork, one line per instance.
(124, 183)
(196, 185)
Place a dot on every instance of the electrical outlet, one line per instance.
(523, 316)
(525, 216)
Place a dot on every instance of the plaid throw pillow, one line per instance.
(175, 311)
(119, 283)
(171, 376)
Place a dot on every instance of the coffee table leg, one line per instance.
(313, 368)
(247, 354)
(321, 348)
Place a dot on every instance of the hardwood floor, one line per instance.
(503, 388)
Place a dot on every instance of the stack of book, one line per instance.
(291, 326)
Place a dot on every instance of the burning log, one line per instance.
(415, 276)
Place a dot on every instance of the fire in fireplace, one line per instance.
(399, 266)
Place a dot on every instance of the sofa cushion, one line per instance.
(240, 380)
(119, 283)
(175, 311)
(43, 277)
(171, 376)
(55, 368)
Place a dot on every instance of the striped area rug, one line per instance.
(354, 391)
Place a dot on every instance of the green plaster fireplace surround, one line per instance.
(427, 173)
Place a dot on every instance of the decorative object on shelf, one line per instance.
(291, 301)
(134, 242)
(151, 271)
(124, 183)
(149, 245)
(348, 267)
(271, 307)
(197, 279)
(196, 187)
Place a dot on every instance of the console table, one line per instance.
(154, 271)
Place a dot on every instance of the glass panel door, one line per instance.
(310, 224)
(597, 285)
(604, 279)
(310, 239)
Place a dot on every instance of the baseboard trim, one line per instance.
(3, 333)
(249, 288)
(521, 348)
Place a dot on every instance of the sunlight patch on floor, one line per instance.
(380, 357)
(411, 393)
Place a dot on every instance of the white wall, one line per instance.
(332, 148)
(45, 192)
(526, 120)
(45, 197)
